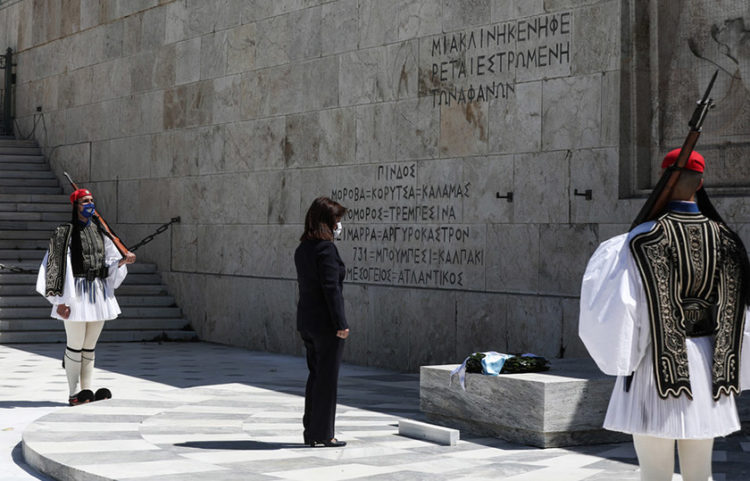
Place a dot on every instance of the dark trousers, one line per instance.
(323, 360)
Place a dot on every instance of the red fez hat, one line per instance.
(78, 194)
(695, 161)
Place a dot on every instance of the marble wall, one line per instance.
(419, 115)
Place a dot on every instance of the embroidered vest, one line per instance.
(57, 260)
(691, 272)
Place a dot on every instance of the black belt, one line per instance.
(91, 274)
(700, 321)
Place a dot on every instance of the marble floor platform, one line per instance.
(189, 411)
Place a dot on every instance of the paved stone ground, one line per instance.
(189, 411)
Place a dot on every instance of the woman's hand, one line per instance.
(343, 334)
(128, 259)
(63, 311)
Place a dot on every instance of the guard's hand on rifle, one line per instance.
(128, 259)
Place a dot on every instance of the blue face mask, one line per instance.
(88, 210)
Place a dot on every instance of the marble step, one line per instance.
(36, 300)
(45, 226)
(29, 289)
(26, 159)
(7, 173)
(108, 335)
(20, 150)
(14, 279)
(24, 243)
(127, 311)
(30, 181)
(121, 323)
(25, 198)
(23, 166)
(13, 142)
(43, 190)
(137, 268)
(58, 217)
(38, 207)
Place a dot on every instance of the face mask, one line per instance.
(88, 210)
(337, 230)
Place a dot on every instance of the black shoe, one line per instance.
(82, 397)
(332, 443)
(102, 393)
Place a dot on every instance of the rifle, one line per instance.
(101, 222)
(660, 195)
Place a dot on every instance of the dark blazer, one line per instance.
(320, 274)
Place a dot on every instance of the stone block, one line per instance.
(571, 112)
(363, 78)
(302, 142)
(187, 61)
(176, 22)
(482, 324)
(226, 105)
(357, 306)
(131, 34)
(274, 41)
(458, 14)
(128, 7)
(375, 133)
(378, 22)
(541, 188)
(142, 71)
(314, 85)
(270, 91)
(513, 257)
(464, 129)
(184, 247)
(535, 325)
(255, 145)
(566, 249)
(213, 55)
(402, 68)
(165, 67)
(573, 347)
(611, 94)
(597, 169)
(91, 13)
(488, 177)
(515, 119)
(418, 18)
(284, 198)
(561, 407)
(388, 329)
(153, 25)
(417, 129)
(211, 158)
(428, 432)
(113, 35)
(430, 319)
(306, 36)
(596, 36)
(240, 54)
(337, 136)
(339, 27)
(70, 17)
(74, 159)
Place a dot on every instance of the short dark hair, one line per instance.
(321, 219)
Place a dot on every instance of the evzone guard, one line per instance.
(663, 307)
(83, 266)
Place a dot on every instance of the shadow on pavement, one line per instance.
(243, 445)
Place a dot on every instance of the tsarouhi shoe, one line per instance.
(331, 443)
(102, 393)
(83, 397)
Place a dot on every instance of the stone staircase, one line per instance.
(32, 203)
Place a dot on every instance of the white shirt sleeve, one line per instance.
(745, 355)
(613, 322)
(116, 274)
(68, 293)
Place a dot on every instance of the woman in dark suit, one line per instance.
(320, 317)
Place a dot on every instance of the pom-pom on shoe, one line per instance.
(83, 397)
(331, 443)
(102, 393)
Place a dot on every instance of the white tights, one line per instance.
(656, 458)
(79, 352)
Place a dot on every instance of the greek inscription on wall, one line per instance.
(482, 64)
(401, 232)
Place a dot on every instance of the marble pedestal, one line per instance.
(564, 406)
